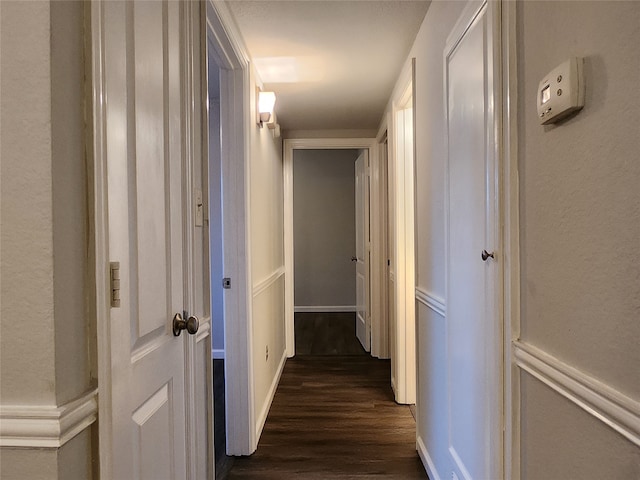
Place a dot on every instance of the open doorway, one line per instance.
(216, 258)
(291, 146)
(324, 225)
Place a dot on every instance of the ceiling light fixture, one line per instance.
(266, 102)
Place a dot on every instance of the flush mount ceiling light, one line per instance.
(266, 102)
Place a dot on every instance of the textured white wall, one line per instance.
(44, 342)
(324, 227)
(27, 211)
(580, 226)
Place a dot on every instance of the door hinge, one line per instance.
(114, 275)
(226, 282)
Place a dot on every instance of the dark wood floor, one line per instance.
(334, 417)
(326, 333)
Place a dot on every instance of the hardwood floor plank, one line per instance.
(334, 417)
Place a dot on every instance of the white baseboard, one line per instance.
(325, 308)
(217, 353)
(45, 426)
(427, 461)
(262, 418)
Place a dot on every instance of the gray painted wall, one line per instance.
(48, 317)
(324, 227)
(580, 231)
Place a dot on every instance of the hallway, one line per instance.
(334, 417)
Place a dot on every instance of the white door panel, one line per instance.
(473, 345)
(147, 210)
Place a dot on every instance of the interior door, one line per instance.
(152, 396)
(362, 250)
(474, 347)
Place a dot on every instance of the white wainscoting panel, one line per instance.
(44, 426)
(262, 418)
(600, 400)
(432, 301)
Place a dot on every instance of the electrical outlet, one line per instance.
(267, 353)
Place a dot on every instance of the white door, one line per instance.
(474, 347)
(362, 250)
(152, 430)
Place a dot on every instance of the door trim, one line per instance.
(233, 61)
(403, 228)
(310, 144)
(510, 198)
(99, 234)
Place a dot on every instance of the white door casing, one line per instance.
(288, 147)
(227, 50)
(145, 75)
(473, 286)
(363, 326)
(378, 273)
(401, 244)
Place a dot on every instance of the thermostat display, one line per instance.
(561, 92)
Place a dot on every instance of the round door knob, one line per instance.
(486, 255)
(191, 324)
(178, 324)
(354, 259)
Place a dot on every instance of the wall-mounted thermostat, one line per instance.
(561, 92)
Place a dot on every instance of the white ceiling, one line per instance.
(332, 63)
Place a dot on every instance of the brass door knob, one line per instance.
(191, 324)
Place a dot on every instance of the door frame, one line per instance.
(313, 144)
(510, 216)
(402, 202)
(379, 247)
(233, 62)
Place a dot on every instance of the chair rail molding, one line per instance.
(265, 283)
(432, 301)
(47, 426)
(595, 397)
